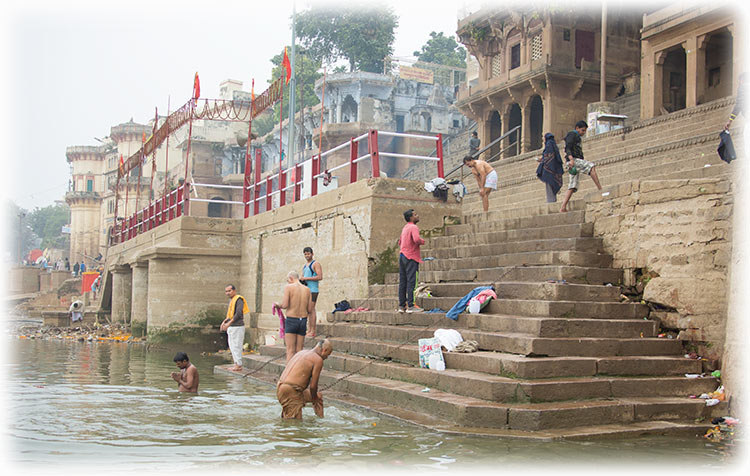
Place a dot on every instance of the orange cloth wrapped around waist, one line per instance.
(291, 399)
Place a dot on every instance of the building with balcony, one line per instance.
(539, 68)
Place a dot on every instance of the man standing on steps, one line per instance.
(297, 302)
(298, 383)
(234, 325)
(486, 178)
(474, 144)
(312, 273)
(408, 261)
(576, 164)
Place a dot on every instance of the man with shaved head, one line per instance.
(298, 384)
(298, 304)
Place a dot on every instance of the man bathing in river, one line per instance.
(298, 304)
(298, 384)
(187, 377)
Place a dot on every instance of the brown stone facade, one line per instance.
(691, 55)
(539, 68)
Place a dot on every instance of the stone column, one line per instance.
(121, 294)
(658, 88)
(526, 127)
(139, 306)
(505, 123)
(695, 70)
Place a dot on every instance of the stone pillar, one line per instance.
(526, 127)
(658, 85)
(121, 294)
(139, 293)
(338, 112)
(696, 70)
(505, 120)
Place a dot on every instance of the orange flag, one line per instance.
(287, 65)
(196, 87)
(252, 91)
(122, 166)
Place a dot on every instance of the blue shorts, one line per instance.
(295, 325)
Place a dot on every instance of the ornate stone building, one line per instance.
(691, 55)
(540, 67)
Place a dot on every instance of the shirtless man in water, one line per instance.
(486, 178)
(298, 304)
(298, 384)
(187, 377)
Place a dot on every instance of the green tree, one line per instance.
(361, 34)
(28, 238)
(442, 49)
(307, 71)
(47, 224)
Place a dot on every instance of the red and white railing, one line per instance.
(176, 203)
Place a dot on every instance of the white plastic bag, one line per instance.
(474, 306)
(449, 338)
(427, 349)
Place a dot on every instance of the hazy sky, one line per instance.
(73, 69)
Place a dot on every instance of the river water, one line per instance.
(114, 406)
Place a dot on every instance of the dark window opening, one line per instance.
(515, 56)
(584, 47)
(89, 185)
(566, 35)
(399, 123)
(456, 124)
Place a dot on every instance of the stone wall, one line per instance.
(353, 231)
(168, 283)
(675, 237)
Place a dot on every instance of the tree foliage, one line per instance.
(361, 34)
(442, 49)
(11, 234)
(47, 224)
(307, 71)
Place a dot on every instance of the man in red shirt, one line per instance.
(408, 261)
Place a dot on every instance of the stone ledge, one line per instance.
(185, 253)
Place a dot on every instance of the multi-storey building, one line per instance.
(539, 68)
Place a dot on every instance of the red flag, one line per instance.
(285, 63)
(252, 91)
(196, 87)
(122, 166)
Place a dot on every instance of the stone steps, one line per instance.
(575, 230)
(535, 326)
(468, 411)
(529, 258)
(503, 389)
(571, 274)
(502, 224)
(501, 363)
(588, 244)
(514, 290)
(513, 343)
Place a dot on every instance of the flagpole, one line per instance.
(151, 194)
(292, 86)
(140, 173)
(281, 123)
(166, 159)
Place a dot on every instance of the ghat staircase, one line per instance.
(559, 355)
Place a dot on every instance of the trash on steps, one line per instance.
(430, 355)
(467, 346)
(448, 338)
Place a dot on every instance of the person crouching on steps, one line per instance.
(408, 261)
